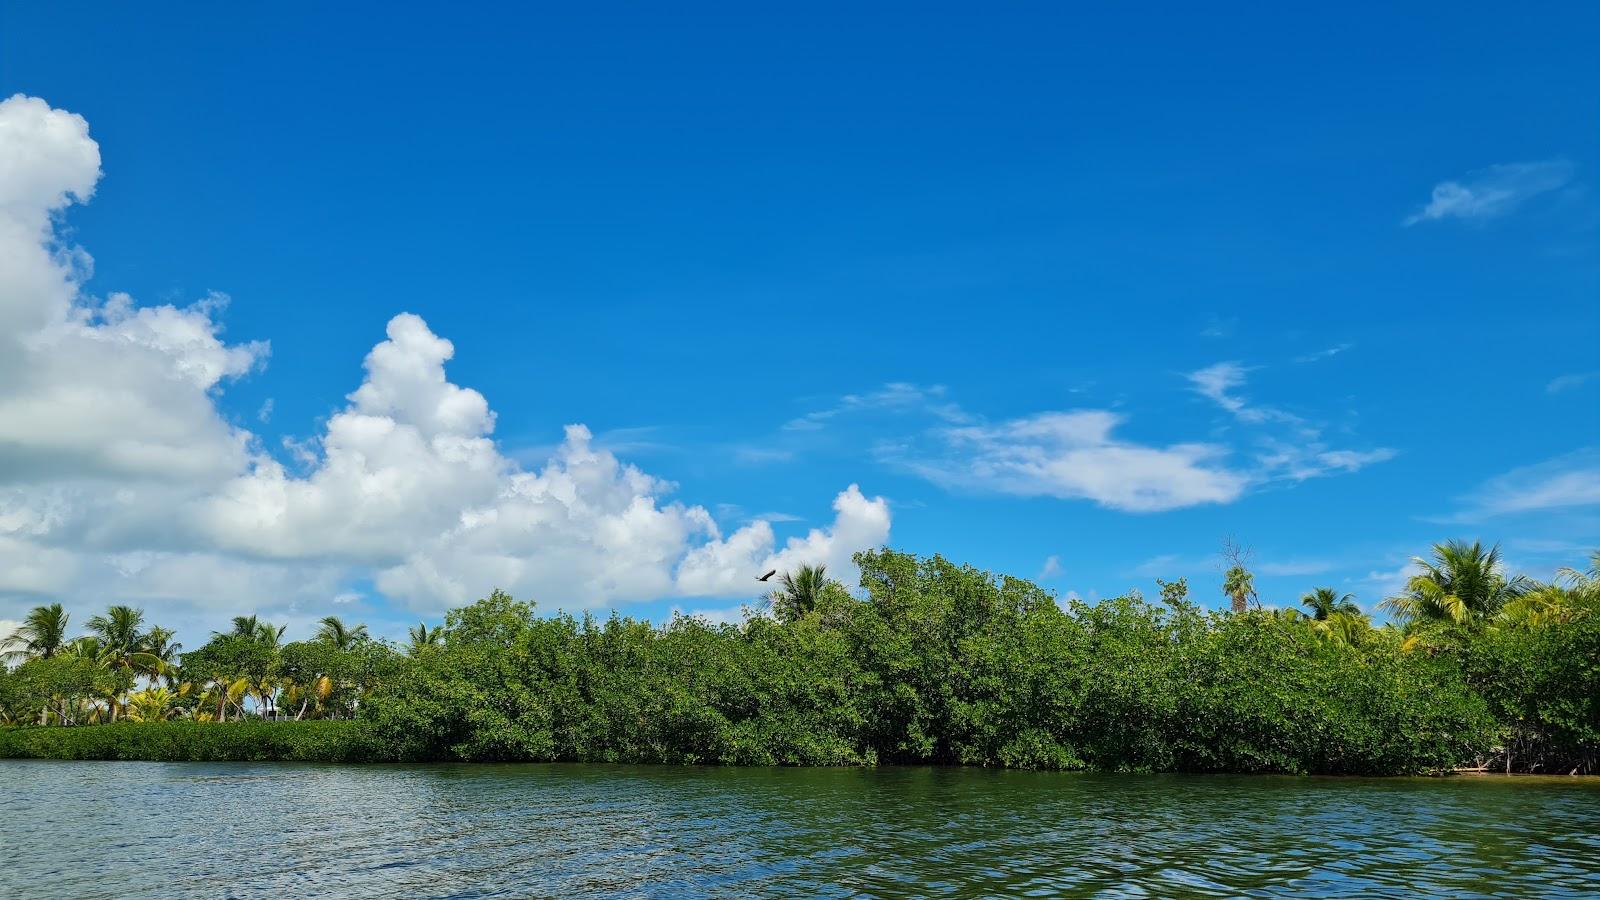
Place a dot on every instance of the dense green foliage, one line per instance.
(929, 662)
(197, 742)
(938, 664)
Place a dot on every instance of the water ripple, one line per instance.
(135, 830)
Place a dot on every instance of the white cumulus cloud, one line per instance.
(120, 479)
(725, 566)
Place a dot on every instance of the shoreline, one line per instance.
(356, 743)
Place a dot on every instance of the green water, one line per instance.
(87, 829)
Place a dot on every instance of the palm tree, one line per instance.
(43, 634)
(1240, 586)
(1586, 585)
(1573, 595)
(90, 647)
(123, 646)
(1461, 583)
(1324, 602)
(1344, 626)
(152, 705)
(341, 636)
(798, 592)
(244, 626)
(1546, 604)
(159, 644)
(118, 629)
(252, 627)
(422, 638)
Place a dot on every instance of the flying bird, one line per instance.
(768, 575)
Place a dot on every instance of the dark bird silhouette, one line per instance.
(768, 575)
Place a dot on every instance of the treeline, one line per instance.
(120, 671)
(933, 662)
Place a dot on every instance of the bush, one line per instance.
(1543, 684)
(322, 741)
(939, 663)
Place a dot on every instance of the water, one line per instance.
(87, 829)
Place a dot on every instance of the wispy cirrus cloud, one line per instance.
(1218, 383)
(1074, 456)
(1289, 447)
(1327, 353)
(1288, 567)
(1380, 583)
(1567, 482)
(895, 396)
(1492, 192)
(1571, 381)
(1168, 565)
(751, 455)
(1219, 327)
(1051, 568)
(1311, 458)
(1080, 454)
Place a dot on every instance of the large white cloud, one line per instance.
(94, 389)
(120, 479)
(400, 463)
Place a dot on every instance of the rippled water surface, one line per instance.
(87, 829)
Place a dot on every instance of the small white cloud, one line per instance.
(1295, 567)
(1163, 566)
(1219, 328)
(729, 615)
(1571, 381)
(264, 414)
(1074, 456)
(1382, 583)
(1217, 383)
(728, 566)
(1566, 482)
(1065, 601)
(1328, 353)
(1492, 192)
(1297, 462)
(1297, 456)
(1051, 569)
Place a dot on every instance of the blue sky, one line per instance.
(1078, 295)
